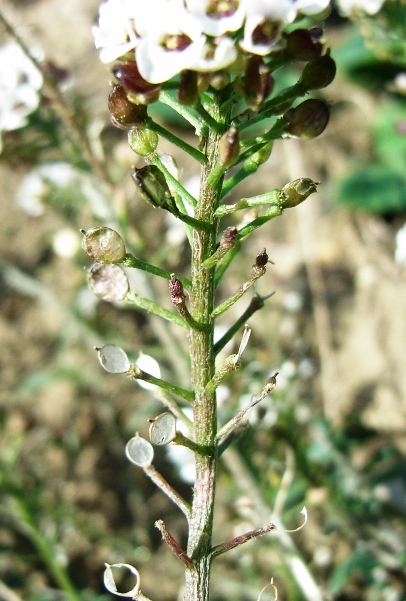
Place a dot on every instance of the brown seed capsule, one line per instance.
(188, 94)
(258, 82)
(318, 74)
(138, 90)
(307, 120)
(124, 114)
(229, 238)
(304, 44)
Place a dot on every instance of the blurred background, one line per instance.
(332, 436)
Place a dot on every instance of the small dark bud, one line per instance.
(229, 147)
(261, 259)
(304, 44)
(138, 90)
(152, 186)
(108, 282)
(307, 120)
(104, 245)
(124, 114)
(142, 141)
(188, 94)
(176, 290)
(318, 74)
(258, 82)
(229, 238)
(297, 191)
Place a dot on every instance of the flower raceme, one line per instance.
(165, 37)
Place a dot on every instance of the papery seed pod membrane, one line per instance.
(110, 582)
(142, 141)
(113, 359)
(152, 186)
(258, 82)
(318, 74)
(304, 44)
(138, 89)
(307, 120)
(188, 92)
(108, 282)
(104, 245)
(297, 191)
(229, 147)
(139, 451)
(124, 114)
(162, 429)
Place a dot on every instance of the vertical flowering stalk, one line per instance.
(216, 65)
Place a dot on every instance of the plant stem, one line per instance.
(202, 361)
(196, 154)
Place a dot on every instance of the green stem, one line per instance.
(193, 152)
(179, 189)
(151, 307)
(231, 300)
(250, 166)
(225, 262)
(131, 261)
(138, 374)
(268, 198)
(183, 111)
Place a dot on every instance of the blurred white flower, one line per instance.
(347, 7)
(182, 457)
(216, 55)
(149, 365)
(264, 23)
(20, 82)
(66, 242)
(400, 250)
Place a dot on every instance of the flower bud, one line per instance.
(307, 120)
(124, 114)
(104, 245)
(318, 74)
(176, 290)
(258, 82)
(152, 186)
(108, 282)
(138, 90)
(261, 259)
(188, 93)
(113, 359)
(229, 147)
(143, 141)
(304, 44)
(229, 238)
(297, 191)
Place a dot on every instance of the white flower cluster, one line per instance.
(168, 36)
(349, 7)
(20, 82)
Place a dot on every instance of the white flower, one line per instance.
(347, 7)
(149, 365)
(218, 18)
(216, 55)
(311, 7)
(264, 23)
(171, 40)
(20, 82)
(115, 34)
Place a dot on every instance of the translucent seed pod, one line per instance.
(113, 359)
(108, 282)
(162, 429)
(104, 245)
(139, 451)
(110, 583)
(143, 141)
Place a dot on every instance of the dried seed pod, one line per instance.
(297, 191)
(261, 259)
(108, 282)
(110, 583)
(124, 114)
(139, 451)
(104, 245)
(318, 74)
(162, 429)
(113, 359)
